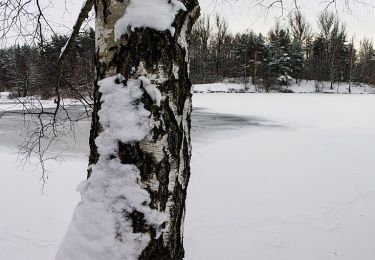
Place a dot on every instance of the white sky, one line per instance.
(242, 15)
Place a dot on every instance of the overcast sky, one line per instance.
(242, 15)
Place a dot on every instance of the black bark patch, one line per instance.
(156, 250)
(138, 222)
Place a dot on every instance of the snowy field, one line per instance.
(274, 177)
(24, 103)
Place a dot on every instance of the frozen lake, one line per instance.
(274, 176)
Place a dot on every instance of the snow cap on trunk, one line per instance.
(155, 14)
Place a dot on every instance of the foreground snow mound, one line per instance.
(102, 223)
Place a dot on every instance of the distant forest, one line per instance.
(285, 54)
(32, 70)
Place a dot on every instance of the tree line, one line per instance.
(33, 70)
(286, 53)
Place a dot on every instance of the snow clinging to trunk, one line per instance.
(102, 224)
(133, 203)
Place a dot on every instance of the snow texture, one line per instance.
(146, 80)
(155, 14)
(64, 48)
(122, 119)
(102, 227)
(294, 179)
(303, 86)
(151, 90)
(31, 103)
(297, 174)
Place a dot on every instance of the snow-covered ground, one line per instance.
(296, 183)
(274, 176)
(25, 103)
(303, 86)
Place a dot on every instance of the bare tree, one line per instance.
(203, 29)
(352, 60)
(141, 71)
(221, 34)
(299, 27)
(366, 62)
(199, 47)
(143, 98)
(25, 20)
(331, 32)
(289, 6)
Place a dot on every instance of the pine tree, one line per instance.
(280, 64)
(297, 59)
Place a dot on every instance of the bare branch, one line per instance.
(43, 127)
(83, 15)
(289, 6)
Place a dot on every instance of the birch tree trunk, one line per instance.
(154, 63)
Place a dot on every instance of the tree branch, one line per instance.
(83, 15)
